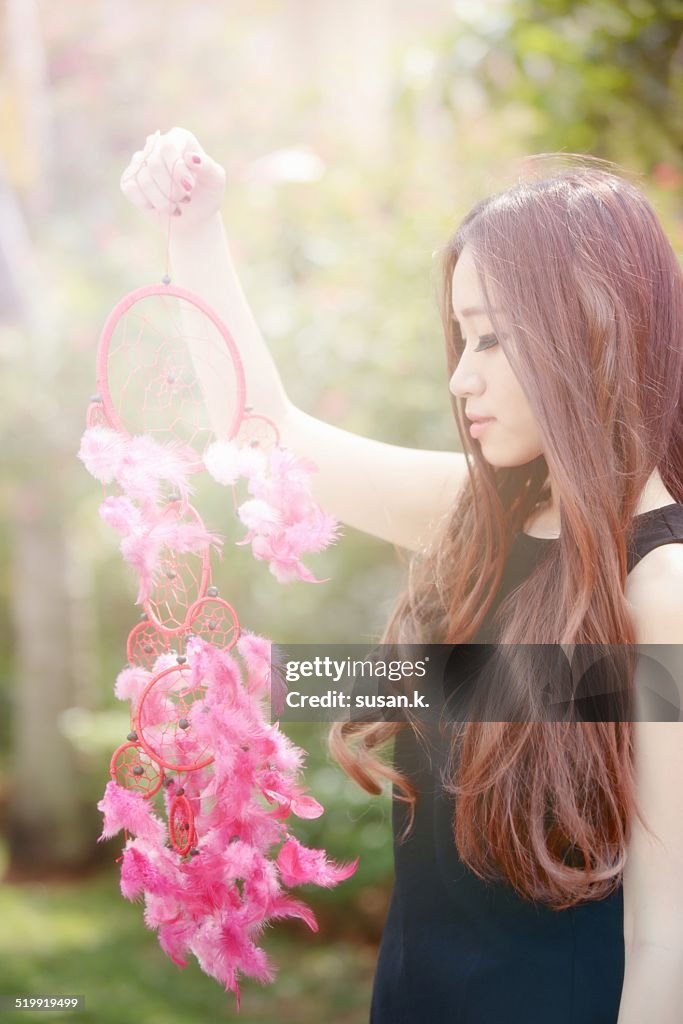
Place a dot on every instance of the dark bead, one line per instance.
(96, 398)
(181, 791)
(143, 616)
(132, 736)
(212, 592)
(148, 648)
(138, 770)
(181, 659)
(212, 624)
(249, 408)
(184, 724)
(171, 574)
(166, 279)
(194, 852)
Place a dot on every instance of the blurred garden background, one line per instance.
(355, 137)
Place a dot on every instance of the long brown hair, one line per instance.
(591, 294)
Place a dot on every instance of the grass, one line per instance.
(83, 938)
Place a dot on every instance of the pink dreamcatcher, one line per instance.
(224, 777)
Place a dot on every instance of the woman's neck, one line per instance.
(544, 521)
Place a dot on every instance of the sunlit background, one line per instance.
(355, 137)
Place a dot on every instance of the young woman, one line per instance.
(539, 865)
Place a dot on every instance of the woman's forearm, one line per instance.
(653, 986)
(201, 262)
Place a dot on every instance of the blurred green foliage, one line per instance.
(599, 77)
(84, 939)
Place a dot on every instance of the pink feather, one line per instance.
(175, 937)
(138, 463)
(283, 520)
(252, 460)
(101, 451)
(123, 808)
(121, 514)
(314, 533)
(222, 460)
(139, 480)
(130, 683)
(260, 516)
(170, 461)
(286, 906)
(139, 874)
(299, 865)
(307, 807)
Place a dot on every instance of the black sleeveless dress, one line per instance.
(457, 950)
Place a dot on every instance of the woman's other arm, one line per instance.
(653, 875)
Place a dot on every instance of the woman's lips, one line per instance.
(478, 428)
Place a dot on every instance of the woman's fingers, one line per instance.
(154, 191)
(193, 159)
(150, 183)
(205, 171)
(167, 186)
(135, 161)
(170, 167)
(131, 188)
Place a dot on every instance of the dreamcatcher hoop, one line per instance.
(165, 291)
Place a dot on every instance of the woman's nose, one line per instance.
(465, 382)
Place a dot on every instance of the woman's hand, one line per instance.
(173, 177)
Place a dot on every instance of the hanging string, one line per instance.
(166, 279)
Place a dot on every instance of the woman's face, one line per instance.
(485, 380)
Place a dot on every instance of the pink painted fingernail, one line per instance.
(186, 184)
(196, 159)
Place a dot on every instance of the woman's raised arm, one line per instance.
(394, 493)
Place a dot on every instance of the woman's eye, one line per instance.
(486, 341)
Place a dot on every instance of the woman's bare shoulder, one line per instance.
(654, 591)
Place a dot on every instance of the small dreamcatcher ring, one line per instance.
(214, 620)
(152, 721)
(146, 642)
(181, 828)
(128, 765)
